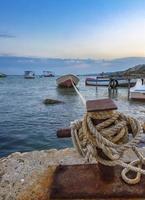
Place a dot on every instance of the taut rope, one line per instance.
(80, 95)
(112, 136)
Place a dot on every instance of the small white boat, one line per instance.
(138, 91)
(2, 75)
(29, 75)
(48, 74)
(67, 80)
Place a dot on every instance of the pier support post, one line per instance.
(128, 88)
(96, 82)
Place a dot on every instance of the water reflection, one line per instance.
(113, 93)
(66, 91)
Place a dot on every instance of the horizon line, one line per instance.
(65, 58)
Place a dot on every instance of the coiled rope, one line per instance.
(112, 136)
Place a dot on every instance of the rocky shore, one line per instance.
(28, 176)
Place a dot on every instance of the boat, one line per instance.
(104, 81)
(67, 81)
(48, 74)
(29, 75)
(2, 75)
(138, 91)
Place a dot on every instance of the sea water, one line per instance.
(27, 124)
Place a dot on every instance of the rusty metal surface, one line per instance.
(105, 169)
(40, 187)
(100, 105)
(66, 132)
(63, 133)
(85, 182)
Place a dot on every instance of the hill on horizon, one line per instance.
(15, 65)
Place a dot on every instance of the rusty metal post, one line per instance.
(107, 173)
(64, 133)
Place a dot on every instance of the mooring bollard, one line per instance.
(96, 106)
(105, 176)
(102, 181)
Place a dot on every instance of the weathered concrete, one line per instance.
(27, 176)
(19, 172)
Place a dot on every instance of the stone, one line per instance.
(52, 101)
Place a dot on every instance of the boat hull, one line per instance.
(137, 96)
(49, 75)
(29, 77)
(105, 82)
(66, 81)
(138, 91)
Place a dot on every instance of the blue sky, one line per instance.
(96, 29)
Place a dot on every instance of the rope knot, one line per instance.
(112, 137)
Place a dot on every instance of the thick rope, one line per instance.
(112, 137)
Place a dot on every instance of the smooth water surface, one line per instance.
(27, 124)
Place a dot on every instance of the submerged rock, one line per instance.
(52, 101)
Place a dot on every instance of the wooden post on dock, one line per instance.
(109, 85)
(128, 88)
(142, 81)
(96, 82)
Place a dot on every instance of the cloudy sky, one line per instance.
(72, 29)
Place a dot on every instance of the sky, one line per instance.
(72, 29)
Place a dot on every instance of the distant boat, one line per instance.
(48, 74)
(67, 80)
(138, 91)
(104, 81)
(29, 75)
(2, 75)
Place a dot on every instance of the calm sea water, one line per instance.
(26, 124)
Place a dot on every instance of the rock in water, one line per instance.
(52, 101)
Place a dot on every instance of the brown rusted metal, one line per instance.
(100, 105)
(63, 133)
(85, 182)
(105, 169)
(66, 132)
